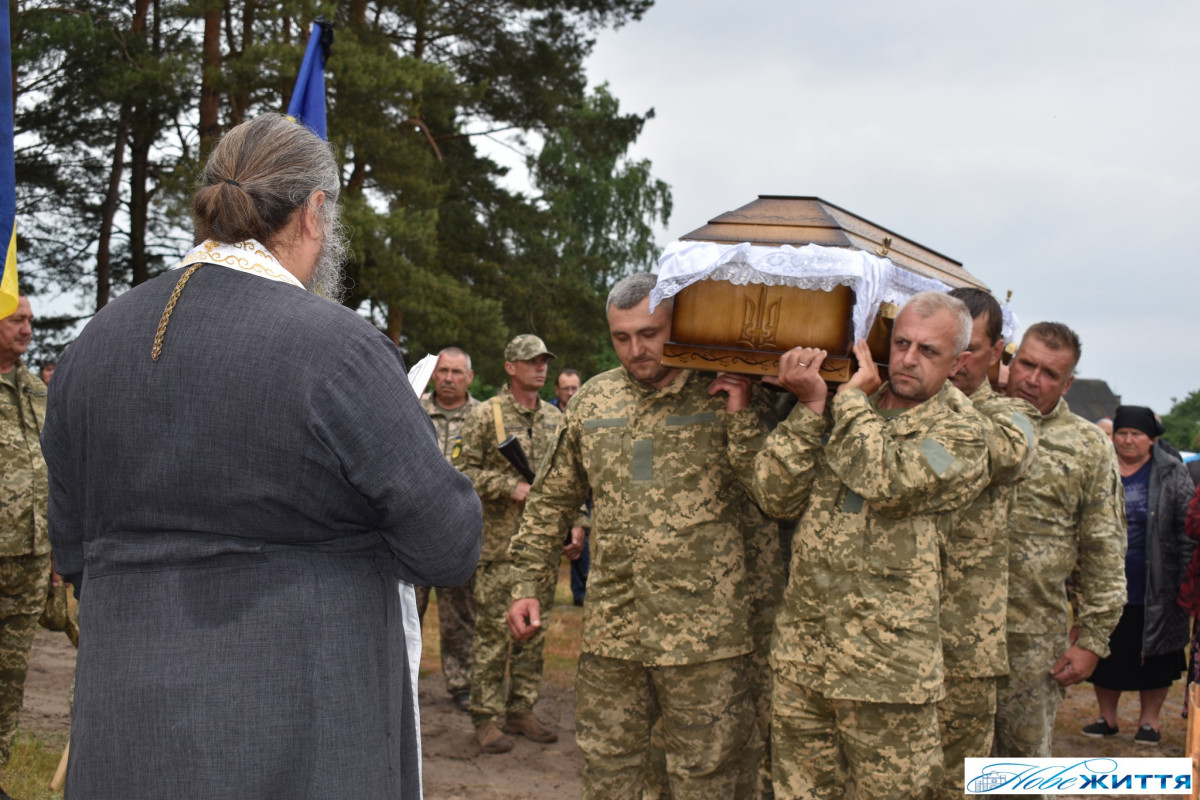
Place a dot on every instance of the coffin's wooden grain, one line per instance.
(720, 326)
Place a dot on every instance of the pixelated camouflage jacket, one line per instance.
(878, 490)
(23, 483)
(1068, 521)
(448, 423)
(494, 477)
(668, 582)
(975, 554)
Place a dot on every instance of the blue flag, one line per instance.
(308, 98)
(8, 178)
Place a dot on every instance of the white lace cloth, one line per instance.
(875, 280)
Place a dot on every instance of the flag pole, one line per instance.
(9, 288)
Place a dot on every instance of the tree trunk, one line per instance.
(139, 201)
(237, 44)
(210, 70)
(108, 212)
(395, 323)
(112, 197)
(140, 10)
(144, 129)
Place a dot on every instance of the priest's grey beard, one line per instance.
(328, 277)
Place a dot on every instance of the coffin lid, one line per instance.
(774, 220)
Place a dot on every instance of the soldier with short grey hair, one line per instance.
(24, 541)
(632, 290)
(448, 403)
(666, 626)
(874, 480)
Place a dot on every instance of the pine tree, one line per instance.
(119, 104)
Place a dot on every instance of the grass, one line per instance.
(562, 637)
(34, 759)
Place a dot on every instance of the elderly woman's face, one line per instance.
(1133, 446)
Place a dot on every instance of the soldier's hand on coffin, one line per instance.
(524, 617)
(866, 377)
(521, 492)
(737, 387)
(800, 374)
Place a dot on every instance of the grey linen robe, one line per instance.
(236, 517)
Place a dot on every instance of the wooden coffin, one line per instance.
(720, 326)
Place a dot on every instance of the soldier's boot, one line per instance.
(531, 728)
(492, 740)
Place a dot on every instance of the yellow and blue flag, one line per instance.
(8, 179)
(308, 98)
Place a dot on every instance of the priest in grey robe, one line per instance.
(241, 478)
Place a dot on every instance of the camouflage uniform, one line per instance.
(666, 625)
(24, 541)
(857, 647)
(456, 604)
(1068, 521)
(495, 480)
(975, 589)
(767, 579)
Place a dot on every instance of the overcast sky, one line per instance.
(1051, 147)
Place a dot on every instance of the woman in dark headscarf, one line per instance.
(1147, 644)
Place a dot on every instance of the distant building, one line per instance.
(1091, 399)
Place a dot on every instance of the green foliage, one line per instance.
(486, 262)
(1183, 422)
(88, 75)
(445, 251)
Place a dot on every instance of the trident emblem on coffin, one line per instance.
(760, 322)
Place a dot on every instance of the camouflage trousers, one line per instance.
(819, 746)
(495, 650)
(762, 677)
(1027, 698)
(762, 680)
(967, 721)
(758, 748)
(767, 571)
(707, 717)
(456, 625)
(23, 584)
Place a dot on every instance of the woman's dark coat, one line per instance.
(1168, 551)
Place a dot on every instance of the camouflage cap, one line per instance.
(525, 347)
